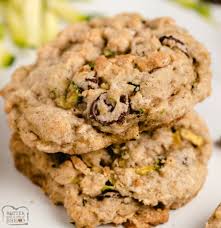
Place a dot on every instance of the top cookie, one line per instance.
(115, 73)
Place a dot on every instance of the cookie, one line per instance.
(84, 210)
(114, 74)
(163, 169)
(167, 166)
(215, 219)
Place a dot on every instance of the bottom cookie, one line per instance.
(135, 183)
(87, 212)
(215, 219)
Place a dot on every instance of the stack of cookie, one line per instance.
(103, 120)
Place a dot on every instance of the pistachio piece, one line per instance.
(122, 163)
(145, 170)
(70, 98)
(105, 85)
(109, 53)
(61, 103)
(91, 65)
(141, 111)
(75, 180)
(190, 136)
(107, 188)
(176, 138)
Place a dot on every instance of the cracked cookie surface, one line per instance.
(118, 74)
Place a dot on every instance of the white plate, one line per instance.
(16, 190)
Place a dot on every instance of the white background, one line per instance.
(18, 191)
